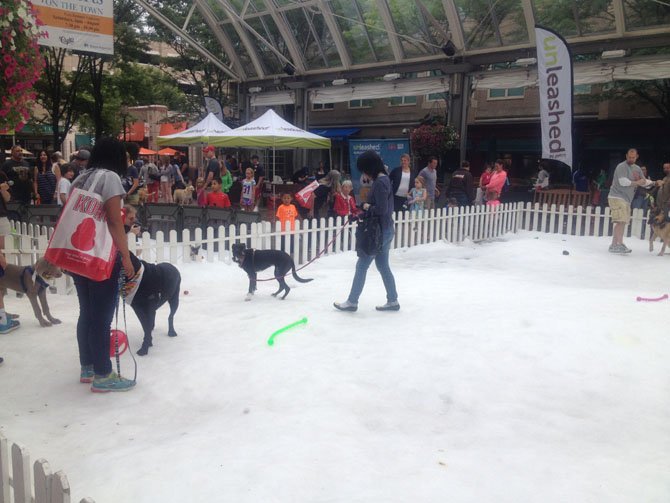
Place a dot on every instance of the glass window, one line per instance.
(418, 34)
(437, 96)
(240, 50)
(645, 13)
(575, 19)
(362, 29)
(397, 101)
(492, 23)
(323, 106)
(361, 103)
(581, 89)
(313, 38)
(501, 94)
(266, 26)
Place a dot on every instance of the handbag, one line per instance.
(368, 236)
(305, 196)
(81, 242)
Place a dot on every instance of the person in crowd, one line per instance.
(150, 176)
(212, 165)
(216, 197)
(18, 172)
(247, 199)
(80, 161)
(345, 204)
(192, 171)
(429, 174)
(627, 177)
(259, 175)
(495, 186)
(461, 185)
(452, 202)
(97, 299)
(301, 175)
(580, 180)
(166, 179)
(320, 171)
(483, 182)
(226, 177)
(542, 181)
(56, 163)
(67, 174)
(641, 197)
(287, 213)
(201, 192)
(8, 322)
(380, 205)
(402, 181)
(598, 185)
(416, 199)
(131, 183)
(44, 179)
(329, 185)
(177, 178)
(663, 194)
(365, 186)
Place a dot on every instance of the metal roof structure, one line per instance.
(262, 40)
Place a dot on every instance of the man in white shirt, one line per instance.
(67, 173)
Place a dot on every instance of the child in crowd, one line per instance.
(130, 224)
(452, 202)
(345, 204)
(248, 190)
(418, 195)
(287, 213)
(216, 197)
(200, 192)
(67, 174)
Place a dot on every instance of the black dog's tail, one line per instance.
(298, 278)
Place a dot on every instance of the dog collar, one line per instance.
(36, 279)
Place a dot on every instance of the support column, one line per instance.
(466, 94)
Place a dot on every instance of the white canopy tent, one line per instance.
(204, 132)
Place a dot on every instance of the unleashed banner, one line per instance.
(80, 25)
(554, 74)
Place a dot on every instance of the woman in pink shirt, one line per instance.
(496, 184)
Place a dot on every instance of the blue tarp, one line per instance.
(337, 134)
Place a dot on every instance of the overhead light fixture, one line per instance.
(289, 69)
(617, 53)
(449, 49)
(255, 89)
(526, 61)
(339, 82)
(391, 76)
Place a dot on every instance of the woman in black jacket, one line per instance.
(380, 205)
(402, 181)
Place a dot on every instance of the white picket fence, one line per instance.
(16, 478)
(327, 236)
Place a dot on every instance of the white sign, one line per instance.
(80, 25)
(554, 72)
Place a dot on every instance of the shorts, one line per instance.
(5, 227)
(619, 209)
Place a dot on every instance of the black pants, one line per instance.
(398, 203)
(97, 303)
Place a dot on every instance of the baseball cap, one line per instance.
(82, 154)
(209, 149)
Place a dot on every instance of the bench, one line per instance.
(565, 197)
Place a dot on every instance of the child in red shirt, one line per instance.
(345, 204)
(217, 198)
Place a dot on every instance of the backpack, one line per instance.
(368, 236)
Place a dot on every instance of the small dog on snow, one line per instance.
(253, 261)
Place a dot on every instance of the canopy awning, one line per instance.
(168, 151)
(203, 132)
(147, 151)
(335, 133)
(172, 128)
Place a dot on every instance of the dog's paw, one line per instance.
(249, 296)
(172, 334)
(45, 323)
(55, 321)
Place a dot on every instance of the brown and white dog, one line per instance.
(184, 196)
(660, 228)
(32, 281)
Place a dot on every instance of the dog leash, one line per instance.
(315, 257)
(122, 294)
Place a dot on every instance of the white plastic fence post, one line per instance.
(210, 244)
(42, 475)
(21, 474)
(160, 247)
(60, 488)
(221, 240)
(4, 470)
(185, 245)
(173, 246)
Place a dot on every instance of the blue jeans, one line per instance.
(382, 263)
(97, 303)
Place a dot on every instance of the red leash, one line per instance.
(651, 299)
(315, 257)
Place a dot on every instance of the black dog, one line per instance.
(160, 283)
(253, 261)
